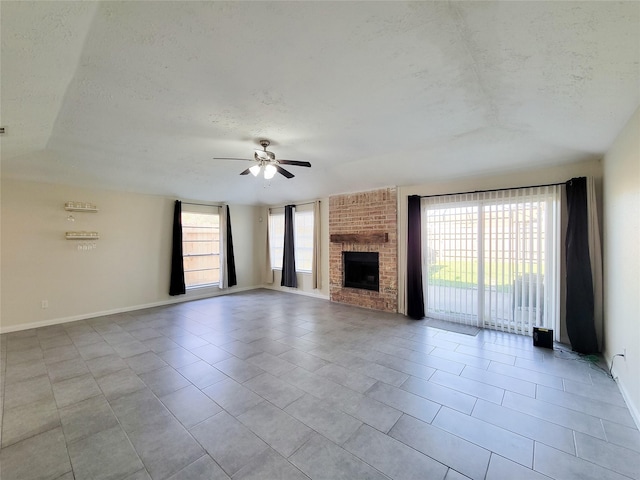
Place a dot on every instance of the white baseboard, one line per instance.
(296, 291)
(633, 409)
(181, 299)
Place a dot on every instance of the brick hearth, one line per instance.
(363, 219)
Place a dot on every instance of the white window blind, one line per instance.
(303, 237)
(491, 259)
(200, 245)
(276, 237)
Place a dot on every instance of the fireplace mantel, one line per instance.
(373, 237)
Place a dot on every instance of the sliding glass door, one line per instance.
(491, 259)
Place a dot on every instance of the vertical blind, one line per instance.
(492, 259)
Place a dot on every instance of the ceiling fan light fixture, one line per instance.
(265, 158)
(269, 172)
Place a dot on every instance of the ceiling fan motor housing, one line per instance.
(264, 155)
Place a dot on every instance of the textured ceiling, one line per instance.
(141, 96)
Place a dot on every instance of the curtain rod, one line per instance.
(202, 204)
(493, 190)
(296, 204)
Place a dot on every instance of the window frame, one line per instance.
(276, 237)
(299, 235)
(208, 210)
(512, 236)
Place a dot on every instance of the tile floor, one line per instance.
(268, 385)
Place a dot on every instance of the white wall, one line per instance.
(305, 281)
(129, 268)
(538, 176)
(621, 260)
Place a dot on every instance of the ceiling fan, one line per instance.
(267, 160)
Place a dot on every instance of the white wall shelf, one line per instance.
(80, 207)
(81, 235)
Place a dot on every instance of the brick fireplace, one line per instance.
(365, 222)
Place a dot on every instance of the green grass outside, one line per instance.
(463, 274)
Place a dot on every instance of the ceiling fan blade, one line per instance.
(246, 172)
(284, 172)
(297, 163)
(228, 158)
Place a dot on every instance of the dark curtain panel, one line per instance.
(231, 261)
(289, 278)
(580, 323)
(177, 267)
(415, 293)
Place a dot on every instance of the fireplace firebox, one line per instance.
(361, 270)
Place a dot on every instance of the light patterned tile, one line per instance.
(239, 370)
(322, 459)
(553, 413)
(504, 382)
(562, 466)
(24, 421)
(269, 465)
(202, 469)
(539, 378)
(391, 457)
(239, 447)
(514, 396)
(406, 402)
(270, 363)
(607, 393)
(508, 444)
(614, 457)
(165, 448)
(457, 356)
(501, 468)
(86, 418)
(621, 435)
(38, 457)
(271, 388)
(531, 427)
(332, 423)
(233, 397)
(440, 394)
(104, 455)
(348, 378)
(281, 431)
(579, 403)
(28, 391)
(190, 406)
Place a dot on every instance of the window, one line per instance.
(303, 240)
(303, 237)
(491, 259)
(200, 245)
(276, 238)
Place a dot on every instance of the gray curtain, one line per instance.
(177, 286)
(289, 278)
(415, 293)
(229, 257)
(580, 300)
(316, 269)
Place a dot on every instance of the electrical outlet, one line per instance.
(45, 304)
